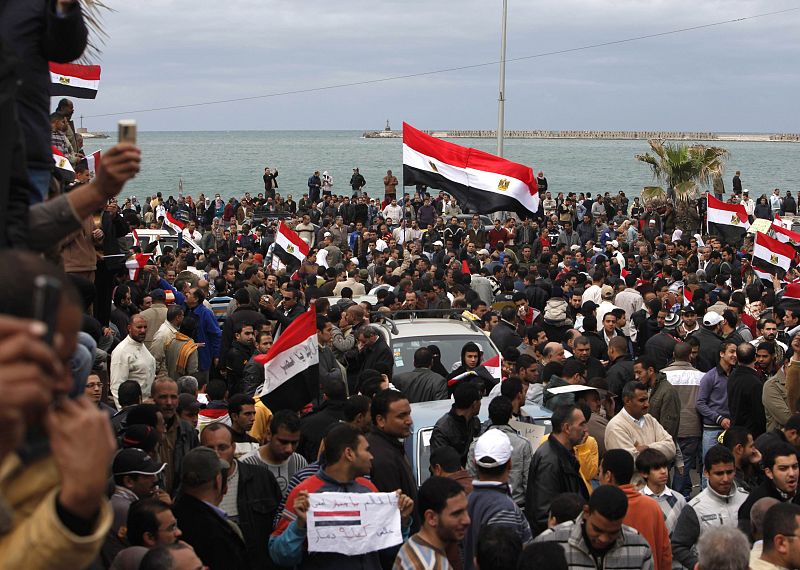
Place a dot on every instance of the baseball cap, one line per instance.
(363, 273)
(607, 292)
(575, 247)
(140, 436)
(134, 461)
(328, 234)
(672, 321)
(483, 252)
(438, 242)
(712, 319)
(688, 310)
(187, 402)
(492, 449)
(200, 466)
(614, 243)
(589, 306)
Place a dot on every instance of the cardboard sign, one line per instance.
(353, 523)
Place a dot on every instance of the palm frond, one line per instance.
(686, 191)
(652, 193)
(93, 16)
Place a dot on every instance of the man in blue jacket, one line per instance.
(207, 333)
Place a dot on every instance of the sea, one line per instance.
(232, 162)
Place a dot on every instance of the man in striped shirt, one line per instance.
(442, 503)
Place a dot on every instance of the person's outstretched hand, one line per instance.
(83, 445)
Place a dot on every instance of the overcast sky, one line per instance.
(737, 77)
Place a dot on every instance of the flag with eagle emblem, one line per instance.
(771, 257)
(290, 248)
(728, 221)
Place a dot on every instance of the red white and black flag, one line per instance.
(289, 246)
(73, 80)
(173, 223)
(771, 257)
(784, 235)
(289, 379)
(480, 181)
(729, 221)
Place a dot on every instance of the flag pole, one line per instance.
(502, 95)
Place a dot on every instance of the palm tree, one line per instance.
(683, 169)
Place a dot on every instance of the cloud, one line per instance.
(172, 52)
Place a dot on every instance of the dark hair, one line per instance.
(382, 401)
(609, 501)
(715, 455)
(341, 437)
(500, 410)
(650, 459)
(511, 387)
(735, 435)
(286, 419)
(620, 463)
(646, 362)
(334, 388)
(423, 357)
(447, 457)
(537, 555)
(355, 405)
(572, 367)
(780, 519)
(498, 547)
(173, 312)
(237, 401)
(216, 390)
(566, 507)
(434, 493)
(160, 557)
(561, 415)
(772, 452)
(322, 320)
(369, 382)
(629, 390)
(142, 519)
(465, 395)
(143, 414)
(129, 393)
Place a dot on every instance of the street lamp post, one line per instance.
(502, 95)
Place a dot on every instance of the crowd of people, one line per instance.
(136, 434)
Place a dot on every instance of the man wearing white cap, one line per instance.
(490, 502)
(709, 338)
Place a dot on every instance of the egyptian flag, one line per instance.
(289, 247)
(72, 80)
(93, 161)
(790, 298)
(729, 221)
(785, 236)
(779, 221)
(771, 257)
(173, 223)
(480, 181)
(62, 163)
(494, 366)
(291, 371)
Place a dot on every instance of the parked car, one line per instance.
(425, 415)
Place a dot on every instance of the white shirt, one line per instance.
(194, 236)
(394, 212)
(131, 360)
(592, 293)
(640, 422)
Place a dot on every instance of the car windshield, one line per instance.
(450, 346)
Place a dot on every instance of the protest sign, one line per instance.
(353, 523)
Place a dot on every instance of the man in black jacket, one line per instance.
(287, 311)
(370, 352)
(239, 354)
(243, 313)
(504, 334)
(213, 537)
(315, 425)
(781, 468)
(37, 32)
(710, 341)
(458, 427)
(661, 346)
(554, 467)
(744, 392)
(254, 502)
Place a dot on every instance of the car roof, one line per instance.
(425, 414)
(434, 327)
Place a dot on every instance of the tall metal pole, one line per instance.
(501, 101)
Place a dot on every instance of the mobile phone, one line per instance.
(126, 131)
(46, 298)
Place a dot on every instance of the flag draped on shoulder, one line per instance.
(771, 257)
(286, 381)
(729, 221)
(289, 246)
(73, 80)
(480, 181)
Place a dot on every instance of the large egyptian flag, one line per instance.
(72, 80)
(291, 372)
(771, 257)
(480, 181)
(729, 221)
(173, 223)
(289, 246)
